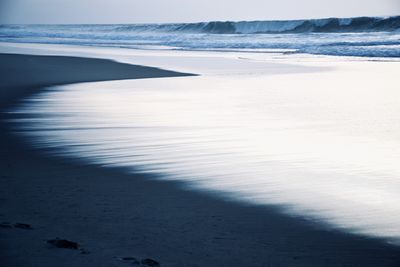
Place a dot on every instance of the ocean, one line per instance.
(364, 37)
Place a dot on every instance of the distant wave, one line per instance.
(328, 25)
(360, 24)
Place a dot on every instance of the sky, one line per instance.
(158, 11)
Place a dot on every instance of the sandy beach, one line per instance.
(112, 214)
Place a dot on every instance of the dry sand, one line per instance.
(112, 214)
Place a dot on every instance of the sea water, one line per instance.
(366, 36)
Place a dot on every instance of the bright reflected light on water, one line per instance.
(325, 145)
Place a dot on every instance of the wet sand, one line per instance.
(112, 214)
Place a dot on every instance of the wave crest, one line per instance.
(360, 24)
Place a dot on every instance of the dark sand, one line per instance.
(112, 214)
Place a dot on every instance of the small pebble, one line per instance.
(63, 243)
(130, 259)
(150, 262)
(22, 226)
(5, 225)
(84, 251)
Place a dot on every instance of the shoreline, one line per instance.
(113, 214)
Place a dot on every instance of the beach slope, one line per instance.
(114, 215)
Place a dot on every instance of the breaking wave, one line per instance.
(360, 24)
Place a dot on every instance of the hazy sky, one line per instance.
(142, 11)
